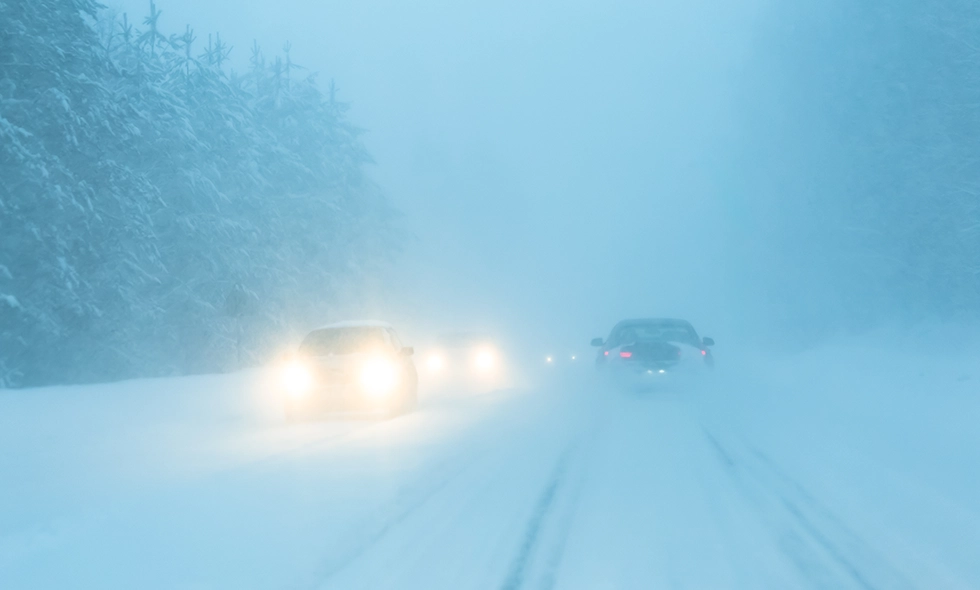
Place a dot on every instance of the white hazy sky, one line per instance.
(546, 154)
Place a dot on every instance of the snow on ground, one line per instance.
(846, 467)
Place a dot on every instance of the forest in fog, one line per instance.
(160, 213)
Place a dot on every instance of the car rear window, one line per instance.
(655, 332)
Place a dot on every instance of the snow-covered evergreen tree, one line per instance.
(159, 214)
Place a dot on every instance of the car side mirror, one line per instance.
(597, 342)
(407, 351)
(708, 341)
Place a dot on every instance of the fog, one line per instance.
(765, 169)
(558, 165)
(309, 294)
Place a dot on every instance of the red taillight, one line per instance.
(606, 353)
(625, 354)
(704, 353)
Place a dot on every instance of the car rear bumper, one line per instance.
(651, 374)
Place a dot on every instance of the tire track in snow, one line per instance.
(479, 459)
(808, 519)
(451, 469)
(806, 509)
(562, 530)
(723, 455)
(543, 508)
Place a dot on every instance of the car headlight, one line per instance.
(485, 360)
(296, 379)
(435, 363)
(379, 376)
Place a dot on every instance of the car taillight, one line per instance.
(625, 354)
(704, 353)
(606, 353)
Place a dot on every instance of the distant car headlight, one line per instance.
(296, 378)
(485, 360)
(379, 376)
(435, 363)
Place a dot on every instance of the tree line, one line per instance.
(865, 127)
(161, 213)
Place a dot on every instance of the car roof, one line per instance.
(655, 321)
(356, 324)
(661, 321)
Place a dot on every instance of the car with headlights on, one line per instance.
(464, 361)
(652, 350)
(350, 366)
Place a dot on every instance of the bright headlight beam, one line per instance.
(296, 378)
(435, 363)
(378, 376)
(484, 360)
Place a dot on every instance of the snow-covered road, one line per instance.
(788, 477)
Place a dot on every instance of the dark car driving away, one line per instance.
(653, 348)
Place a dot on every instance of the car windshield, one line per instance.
(342, 340)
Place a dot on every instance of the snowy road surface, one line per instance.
(782, 476)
